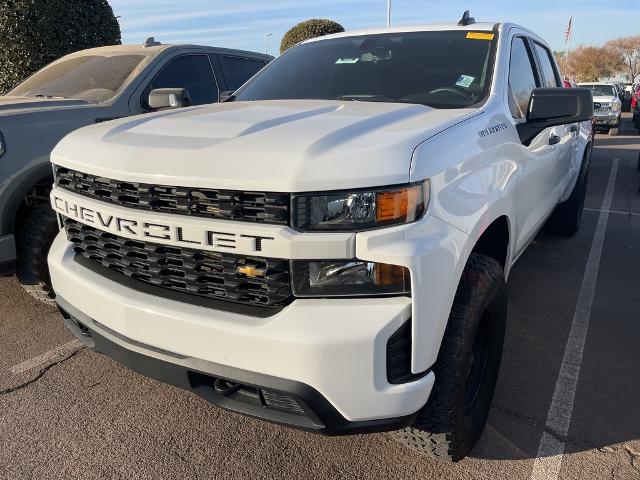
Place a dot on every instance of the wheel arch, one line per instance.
(495, 241)
(19, 187)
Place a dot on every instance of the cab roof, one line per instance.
(150, 51)
(430, 27)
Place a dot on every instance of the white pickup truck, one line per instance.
(329, 248)
(607, 106)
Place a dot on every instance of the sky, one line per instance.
(243, 24)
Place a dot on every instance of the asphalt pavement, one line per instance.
(68, 413)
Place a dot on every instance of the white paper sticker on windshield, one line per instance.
(347, 60)
(465, 81)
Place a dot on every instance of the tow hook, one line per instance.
(225, 387)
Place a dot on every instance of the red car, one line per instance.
(635, 98)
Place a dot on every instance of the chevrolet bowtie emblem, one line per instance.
(252, 271)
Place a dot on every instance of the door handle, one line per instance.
(554, 139)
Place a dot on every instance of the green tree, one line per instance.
(34, 33)
(309, 29)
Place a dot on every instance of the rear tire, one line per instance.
(33, 240)
(466, 370)
(567, 217)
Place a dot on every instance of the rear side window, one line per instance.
(192, 72)
(238, 70)
(522, 79)
(549, 72)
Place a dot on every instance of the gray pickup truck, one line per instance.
(80, 89)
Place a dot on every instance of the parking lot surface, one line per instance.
(66, 412)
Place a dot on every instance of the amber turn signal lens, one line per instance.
(400, 206)
(386, 274)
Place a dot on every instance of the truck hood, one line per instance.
(284, 145)
(11, 105)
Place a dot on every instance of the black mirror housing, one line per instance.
(166, 98)
(549, 107)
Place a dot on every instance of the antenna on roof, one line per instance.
(466, 19)
(151, 42)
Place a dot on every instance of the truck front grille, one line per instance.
(211, 275)
(262, 207)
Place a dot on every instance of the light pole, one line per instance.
(388, 13)
(266, 35)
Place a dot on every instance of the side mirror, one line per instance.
(226, 96)
(165, 98)
(549, 107)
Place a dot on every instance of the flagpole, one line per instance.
(567, 44)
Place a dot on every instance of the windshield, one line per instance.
(94, 78)
(601, 90)
(450, 69)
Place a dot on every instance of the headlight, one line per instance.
(2, 147)
(348, 279)
(615, 107)
(360, 210)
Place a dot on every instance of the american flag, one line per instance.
(567, 33)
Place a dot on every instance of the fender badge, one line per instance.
(493, 129)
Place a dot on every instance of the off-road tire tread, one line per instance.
(434, 432)
(33, 241)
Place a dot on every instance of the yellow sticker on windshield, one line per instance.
(480, 36)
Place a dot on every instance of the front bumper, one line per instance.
(609, 120)
(274, 399)
(335, 348)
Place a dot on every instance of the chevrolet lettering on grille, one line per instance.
(167, 232)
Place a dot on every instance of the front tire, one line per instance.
(466, 370)
(34, 239)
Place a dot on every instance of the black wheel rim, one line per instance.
(479, 360)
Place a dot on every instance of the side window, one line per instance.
(549, 71)
(238, 70)
(522, 80)
(192, 72)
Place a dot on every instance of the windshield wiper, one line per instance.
(42, 95)
(348, 99)
(364, 98)
(374, 98)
